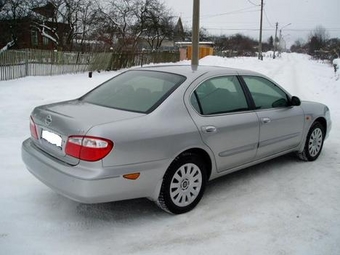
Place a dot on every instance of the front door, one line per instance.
(281, 125)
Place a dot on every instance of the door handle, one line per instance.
(266, 120)
(209, 129)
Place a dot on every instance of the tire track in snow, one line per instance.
(287, 74)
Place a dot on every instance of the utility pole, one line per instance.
(280, 41)
(260, 40)
(281, 37)
(195, 34)
(277, 25)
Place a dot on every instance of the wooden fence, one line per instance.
(15, 64)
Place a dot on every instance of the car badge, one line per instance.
(48, 120)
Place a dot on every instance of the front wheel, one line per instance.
(183, 184)
(314, 143)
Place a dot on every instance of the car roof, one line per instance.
(187, 70)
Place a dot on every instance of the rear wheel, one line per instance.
(183, 184)
(314, 142)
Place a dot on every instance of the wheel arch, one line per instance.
(322, 121)
(203, 155)
(165, 200)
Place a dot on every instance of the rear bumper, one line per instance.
(93, 188)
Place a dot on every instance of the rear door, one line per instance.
(225, 122)
(281, 124)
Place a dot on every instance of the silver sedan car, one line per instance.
(162, 132)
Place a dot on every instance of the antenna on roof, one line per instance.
(195, 34)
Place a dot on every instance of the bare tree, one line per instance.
(203, 35)
(88, 16)
(321, 33)
(114, 24)
(155, 22)
(122, 24)
(13, 9)
(126, 23)
(317, 39)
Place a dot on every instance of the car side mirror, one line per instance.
(295, 101)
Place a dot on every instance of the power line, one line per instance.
(269, 29)
(253, 3)
(239, 29)
(265, 14)
(224, 14)
(243, 10)
(228, 13)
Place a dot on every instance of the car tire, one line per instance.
(314, 142)
(183, 184)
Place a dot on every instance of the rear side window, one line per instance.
(265, 93)
(219, 95)
(137, 91)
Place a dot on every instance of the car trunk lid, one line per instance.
(56, 122)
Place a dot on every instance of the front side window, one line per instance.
(265, 93)
(219, 95)
(137, 91)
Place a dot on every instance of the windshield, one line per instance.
(138, 90)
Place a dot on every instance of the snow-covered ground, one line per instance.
(284, 206)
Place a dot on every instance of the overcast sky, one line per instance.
(233, 16)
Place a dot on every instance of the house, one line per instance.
(179, 33)
(35, 33)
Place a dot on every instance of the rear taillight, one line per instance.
(88, 148)
(33, 128)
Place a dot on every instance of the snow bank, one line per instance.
(284, 206)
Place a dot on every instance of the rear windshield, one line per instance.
(137, 91)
